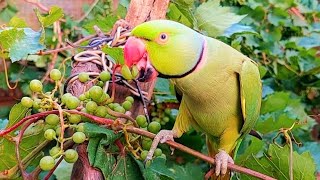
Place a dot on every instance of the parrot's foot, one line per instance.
(162, 137)
(222, 160)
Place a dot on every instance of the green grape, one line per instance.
(166, 119)
(154, 127)
(47, 163)
(52, 119)
(74, 118)
(105, 76)
(36, 103)
(157, 152)
(27, 102)
(78, 137)
(50, 134)
(54, 151)
(87, 94)
(156, 119)
(80, 127)
(119, 109)
(159, 106)
(65, 97)
(144, 155)
(83, 77)
(126, 105)
(130, 98)
(103, 98)
(72, 102)
(100, 84)
(71, 156)
(163, 123)
(167, 111)
(36, 85)
(141, 121)
(55, 74)
(146, 144)
(91, 106)
(101, 111)
(126, 73)
(82, 97)
(163, 156)
(154, 114)
(95, 92)
(58, 130)
(84, 118)
(108, 116)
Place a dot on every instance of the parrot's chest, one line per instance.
(213, 100)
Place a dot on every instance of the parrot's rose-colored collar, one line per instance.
(135, 54)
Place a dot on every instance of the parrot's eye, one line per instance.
(162, 38)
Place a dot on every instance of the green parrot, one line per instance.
(220, 87)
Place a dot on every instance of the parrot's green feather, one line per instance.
(221, 97)
(251, 91)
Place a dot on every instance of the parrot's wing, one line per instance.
(250, 90)
(183, 120)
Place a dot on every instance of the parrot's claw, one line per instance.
(162, 137)
(222, 159)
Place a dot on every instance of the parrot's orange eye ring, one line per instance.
(163, 38)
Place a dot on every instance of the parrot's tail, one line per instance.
(212, 151)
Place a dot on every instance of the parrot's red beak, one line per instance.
(135, 54)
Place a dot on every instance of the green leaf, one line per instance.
(55, 13)
(125, 169)
(104, 23)
(17, 112)
(213, 19)
(17, 22)
(283, 4)
(314, 149)
(63, 171)
(279, 17)
(115, 53)
(20, 42)
(180, 14)
(276, 164)
(7, 13)
(238, 29)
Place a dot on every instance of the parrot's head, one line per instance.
(165, 48)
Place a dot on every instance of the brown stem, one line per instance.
(199, 155)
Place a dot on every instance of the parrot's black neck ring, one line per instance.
(191, 70)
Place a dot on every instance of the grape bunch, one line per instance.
(95, 101)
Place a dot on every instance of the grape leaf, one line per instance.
(238, 29)
(125, 168)
(10, 36)
(275, 163)
(17, 22)
(213, 19)
(55, 13)
(115, 53)
(17, 112)
(104, 23)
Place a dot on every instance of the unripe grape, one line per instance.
(127, 105)
(101, 111)
(64, 97)
(135, 71)
(146, 145)
(84, 118)
(154, 127)
(36, 85)
(26, 102)
(91, 106)
(47, 163)
(74, 118)
(95, 92)
(50, 134)
(130, 98)
(82, 97)
(105, 76)
(52, 119)
(126, 73)
(141, 121)
(163, 123)
(72, 102)
(119, 109)
(80, 127)
(166, 119)
(55, 74)
(71, 156)
(78, 137)
(55, 150)
(83, 77)
(167, 111)
(157, 152)
(36, 103)
(103, 98)
(58, 130)
(100, 84)
(143, 155)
